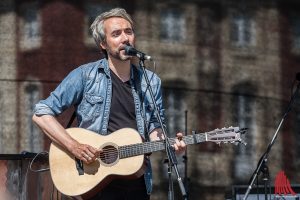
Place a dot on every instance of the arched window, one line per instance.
(32, 139)
(175, 108)
(244, 115)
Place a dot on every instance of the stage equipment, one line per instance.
(262, 166)
(258, 193)
(169, 149)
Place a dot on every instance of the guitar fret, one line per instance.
(148, 147)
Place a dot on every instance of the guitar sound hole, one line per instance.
(109, 154)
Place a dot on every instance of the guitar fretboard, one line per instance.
(148, 147)
(223, 135)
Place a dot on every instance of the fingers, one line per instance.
(85, 157)
(179, 145)
(93, 151)
(179, 136)
(87, 153)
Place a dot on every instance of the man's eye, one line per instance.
(116, 34)
(129, 32)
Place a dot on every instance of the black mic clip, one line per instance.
(129, 50)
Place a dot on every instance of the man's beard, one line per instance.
(117, 55)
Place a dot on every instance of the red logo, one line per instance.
(282, 185)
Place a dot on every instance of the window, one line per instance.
(295, 29)
(242, 30)
(33, 137)
(30, 26)
(175, 108)
(244, 116)
(172, 25)
(175, 120)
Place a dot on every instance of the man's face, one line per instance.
(118, 33)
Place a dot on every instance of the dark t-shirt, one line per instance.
(122, 115)
(122, 110)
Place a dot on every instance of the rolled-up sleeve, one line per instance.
(42, 109)
(68, 93)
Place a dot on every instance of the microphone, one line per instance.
(130, 51)
(298, 76)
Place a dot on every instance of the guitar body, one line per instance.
(122, 156)
(96, 175)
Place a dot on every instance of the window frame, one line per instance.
(26, 24)
(169, 18)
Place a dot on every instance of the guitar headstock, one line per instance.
(226, 135)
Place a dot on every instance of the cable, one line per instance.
(45, 156)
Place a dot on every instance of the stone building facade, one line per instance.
(222, 63)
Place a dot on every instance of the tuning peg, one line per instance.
(241, 141)
(243, 130)
(236, 143)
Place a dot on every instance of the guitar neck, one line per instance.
(149, 147)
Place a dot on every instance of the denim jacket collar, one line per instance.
(105, 67)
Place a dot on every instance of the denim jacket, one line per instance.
(89, 89)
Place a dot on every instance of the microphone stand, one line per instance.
(185, 161)
(172, 162)
(262, 164)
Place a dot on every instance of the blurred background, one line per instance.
(222, 63)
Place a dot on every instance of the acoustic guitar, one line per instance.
(122, 156)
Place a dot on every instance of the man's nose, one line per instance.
(125, 37)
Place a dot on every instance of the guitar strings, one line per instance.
(138, 149)
(147, 147)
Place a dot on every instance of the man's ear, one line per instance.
(103, 45)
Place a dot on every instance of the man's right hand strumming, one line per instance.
(57, 133)
(85, 152)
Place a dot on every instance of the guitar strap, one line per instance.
(71, 119)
